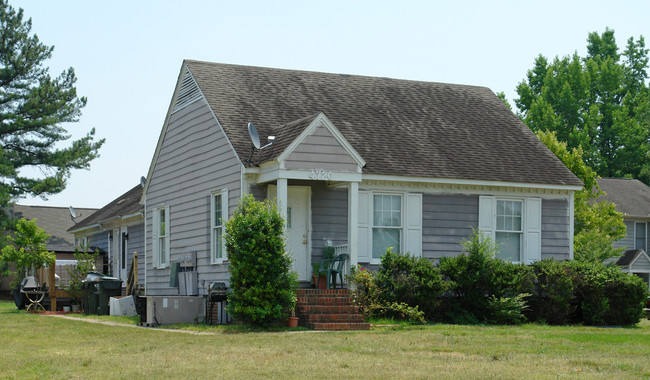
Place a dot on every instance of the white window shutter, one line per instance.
(414, 224)
(363, 249)
(167, 237)
(487, 208)
(533, 235)
(224, 217)
(154, 240)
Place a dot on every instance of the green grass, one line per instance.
(37, 347)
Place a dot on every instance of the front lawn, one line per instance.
(41, 347)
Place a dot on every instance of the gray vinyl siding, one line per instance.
(194, 160)
(99, 240)
(329, 215)
(136, 244)
(447, 220)
(641, 264)
(628, 241)
(321, 150)
(258, 192)
(555, 229)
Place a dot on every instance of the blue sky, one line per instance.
(127, 54)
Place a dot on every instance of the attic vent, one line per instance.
(188, 93)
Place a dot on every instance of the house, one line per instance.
(361, 163)
(632, 198)
(55, 221)
(118, 230)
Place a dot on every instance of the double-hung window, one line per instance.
(386, 223)
(515, 224)
(388, 219)
(218, 216)
(509, 229)
(640, 236)
(161, 237)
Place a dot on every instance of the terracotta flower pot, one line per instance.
(293, 322)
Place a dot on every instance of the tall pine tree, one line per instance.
(33, 108)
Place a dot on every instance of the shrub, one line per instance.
(508, 310)
(477, 279)
(411, 280)
(607, 296)
(262, 282)
(368, 296)
(553, 292)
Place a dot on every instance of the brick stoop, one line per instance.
(328, 309)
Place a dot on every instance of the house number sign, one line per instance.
(321, 175)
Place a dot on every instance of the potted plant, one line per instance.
(293, 320)
(27, 251)
(85, 264)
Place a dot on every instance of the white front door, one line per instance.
(298, 231)
(298, 217)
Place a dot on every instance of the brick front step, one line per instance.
(340, 326)
(328, 309)
(342, 318)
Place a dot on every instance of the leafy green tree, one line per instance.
(33, 107)
(600, 102)
(261, 277)
(28, 250)
(597, 224)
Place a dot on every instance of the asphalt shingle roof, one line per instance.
(631, 196)
(126, 204)
(55, 221)
(399, 127)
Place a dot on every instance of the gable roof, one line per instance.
(55, 221)
(631, 196)
(399, 127)
(124, 205)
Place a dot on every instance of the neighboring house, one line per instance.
(55, 221)
(632, 198)
(358, 162)
(118, 229)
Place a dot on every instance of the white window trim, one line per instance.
(411, 225)
(646, 234)
(531, 235)
(157, 263)
(377, 260)
(213, 224)
(521, 232)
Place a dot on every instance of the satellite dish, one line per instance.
(73, 213)
(255, 138)
(143, 181)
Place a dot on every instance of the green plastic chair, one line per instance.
(333, 268)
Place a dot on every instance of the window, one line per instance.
(388, 220)
(640, 235)
(161, 237)
(515, 224)
(386, 224)
(509, 230)
(219, 214)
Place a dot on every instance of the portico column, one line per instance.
(353, 222)
(282, 197)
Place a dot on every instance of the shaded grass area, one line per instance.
(48, 347)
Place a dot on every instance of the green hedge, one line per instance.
(476, 287)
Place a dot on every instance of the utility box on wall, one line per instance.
(184, 275)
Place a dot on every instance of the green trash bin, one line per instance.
(97, 291)
(109, 287)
